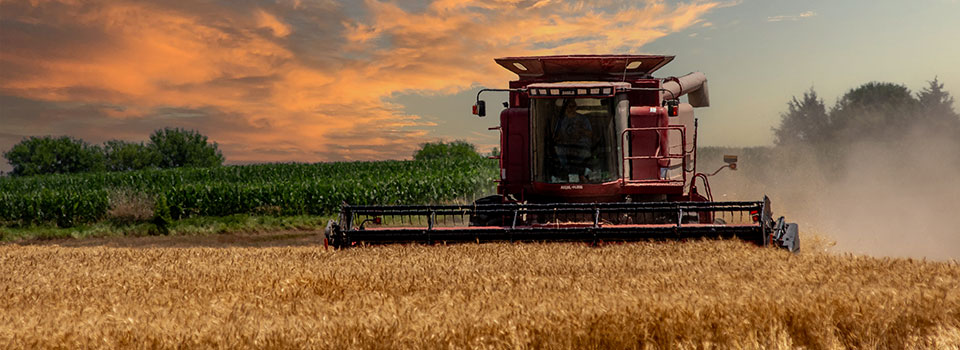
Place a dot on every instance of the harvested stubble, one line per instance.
(709, 294)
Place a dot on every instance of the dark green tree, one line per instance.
(875, 111)
(936, 108)
(49, 155)
(184, 148)
(805, 122)
(439, 150)
(123, 156)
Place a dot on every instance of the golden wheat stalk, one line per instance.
(693, 295)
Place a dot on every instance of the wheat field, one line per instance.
(285, 291)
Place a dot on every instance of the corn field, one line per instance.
(285, 189)
(254, 293)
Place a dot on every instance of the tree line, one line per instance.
(872, 119)
(873, 112)
(458, 149)
(166, 148)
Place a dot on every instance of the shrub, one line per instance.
(49, 155)
(129, 206)
(123, 156)
(441, 150)
(184, 148)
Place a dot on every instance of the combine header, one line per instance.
(594, 149)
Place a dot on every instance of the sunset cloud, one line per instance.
(285, 80)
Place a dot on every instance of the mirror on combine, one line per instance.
(480, 109)
(731, 160)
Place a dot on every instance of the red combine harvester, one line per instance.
(595, 149)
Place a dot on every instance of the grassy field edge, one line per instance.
(237, 223)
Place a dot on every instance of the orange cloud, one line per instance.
(296, 81)
(267, 20)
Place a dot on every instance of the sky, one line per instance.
(327, 80)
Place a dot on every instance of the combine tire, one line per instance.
(487, 219)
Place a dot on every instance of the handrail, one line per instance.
(682, 155)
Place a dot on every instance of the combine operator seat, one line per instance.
(574, 138)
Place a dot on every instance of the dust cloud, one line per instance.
(897, 199)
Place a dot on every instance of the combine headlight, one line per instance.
(572, 91)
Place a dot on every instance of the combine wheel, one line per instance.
(690, 218)
(487, 219)
(332, 235)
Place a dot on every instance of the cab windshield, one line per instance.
(575, 140)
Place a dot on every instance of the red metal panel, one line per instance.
(578, 65)
(519, 99)
(647, 143)
(646, 98)
(610, 189)
(516, 146)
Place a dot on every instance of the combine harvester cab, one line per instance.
(594, 149)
